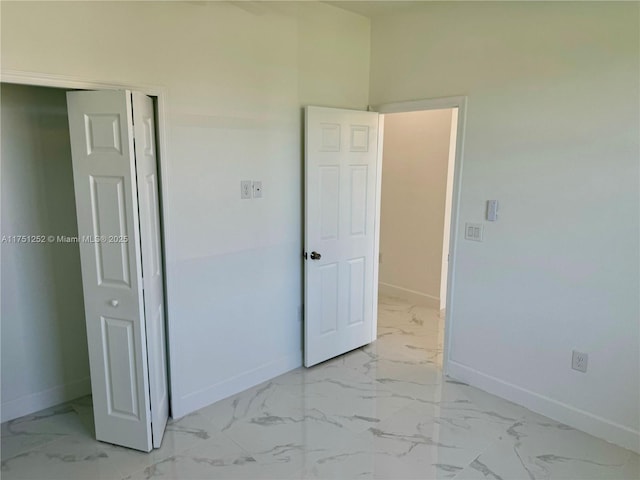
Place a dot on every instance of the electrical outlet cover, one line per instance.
(245, 189)
(579, 361)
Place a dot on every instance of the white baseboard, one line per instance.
(559, 411)
(194, 401)
(35, 402)
(411, 296)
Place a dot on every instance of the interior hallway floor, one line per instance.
(382, 411)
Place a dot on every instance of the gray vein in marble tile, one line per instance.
(529, 472)
(456, 382)
(61, 410)
(340, 457)
(360, 417)
(233, 418)
(268, 420)
(551, 458)
(322, 417)
(448, 468)
(385, 381)
(152, 470)
(196, 432)
(414, 439)
(486, 471)
(488, 413)
(236, 402)
(75, 458)
(513, 432)
(220, 462)
(4, 465)
(413, 347)
(347, 386)
(282, 451)
(559, 426)
(396, 330)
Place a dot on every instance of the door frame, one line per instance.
(39, 79)
(459, 102)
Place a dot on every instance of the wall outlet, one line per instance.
(245, 189)
(579, 361)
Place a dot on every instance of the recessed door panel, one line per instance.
(329, 298)
(329, 202)
(153, 223)
(102, 131)
(120, 364)
(357, 286)
(359, 140)
(330, 137)
(358, 190)
(109, 230)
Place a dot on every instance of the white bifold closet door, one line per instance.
(341, 154)
(116, 189)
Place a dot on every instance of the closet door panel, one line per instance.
(101, 130)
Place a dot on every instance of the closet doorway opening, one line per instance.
(71, 175)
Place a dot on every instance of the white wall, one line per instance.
(552, 133)
(236, 77)
(44, 345)
(414, 183)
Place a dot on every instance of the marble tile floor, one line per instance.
(382, 411)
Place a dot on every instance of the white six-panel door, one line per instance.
(106, 191)
(340, 193)
(149, 204)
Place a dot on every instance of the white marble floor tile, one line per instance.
(549, 450)
(417, 443)
(25, 433)
(188, 432)
(218, 457)
(384, 411)
(355, 400)
(277, 428)
(68, 458)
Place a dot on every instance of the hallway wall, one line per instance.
(414, 183)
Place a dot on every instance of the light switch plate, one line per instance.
(492, 210)
(257, 189)
(473, 231)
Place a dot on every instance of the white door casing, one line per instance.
(340, 194)
(152, 268)
(106, 191)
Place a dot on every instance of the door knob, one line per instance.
(315, 256)
(114, 302)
